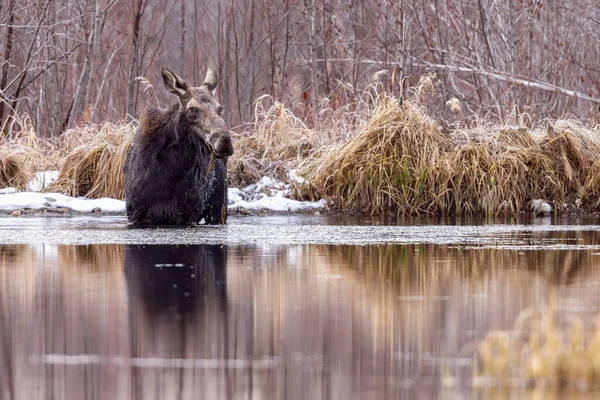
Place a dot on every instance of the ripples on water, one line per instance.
(273, 321)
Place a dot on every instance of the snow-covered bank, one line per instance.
(268, 194)
(37, 201)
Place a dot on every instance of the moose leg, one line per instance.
(217, 205)
(136, 215)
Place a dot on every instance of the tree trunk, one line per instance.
(227, 62)
(81, 93)
(7, 56)
(133, 67)
(487, 36)
(312, 40)
(285, 50)
(327, 22)
(250, 66)
(182, 42)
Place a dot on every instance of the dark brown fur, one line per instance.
(176, 170)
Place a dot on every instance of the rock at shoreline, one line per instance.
(540, 207)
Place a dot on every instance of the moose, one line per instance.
(176, 169)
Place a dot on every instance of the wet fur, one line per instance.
(165, 174)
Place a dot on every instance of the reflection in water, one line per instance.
(271, 322)
(177, 315)
(175, 280)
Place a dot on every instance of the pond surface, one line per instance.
(278, 307)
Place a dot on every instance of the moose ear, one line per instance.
(211, 79)
(173, 83)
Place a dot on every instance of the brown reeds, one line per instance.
(94, 168)
(405, 163)
(375, 155)
(22, 154)
(265, 147)
(278, 140)
(15, 170)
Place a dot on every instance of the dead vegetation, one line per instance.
(90, 158)
(278, 141)
(23, 154)
(376, 155)
(94, 165)
(404, 162)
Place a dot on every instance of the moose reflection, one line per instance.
(177, 310)
(175, 280)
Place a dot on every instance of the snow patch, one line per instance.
(41, 180)
(38, 201)
(294, 177)
(270, 194)
(234, 195)
(266, 194)
(265, 185)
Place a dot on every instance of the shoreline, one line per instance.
(53, 212)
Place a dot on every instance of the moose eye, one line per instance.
(220, 110)
(193, 110)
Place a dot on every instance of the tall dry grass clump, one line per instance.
(94, 160)
(389, 164)
(22, 154)
(575, 151)
(401, 161)
(90, 158)
(278, 140)
(591, 189)
(268, 146)
(15, 170)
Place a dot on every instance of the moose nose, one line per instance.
(222, 144)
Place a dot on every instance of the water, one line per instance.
(278, 307)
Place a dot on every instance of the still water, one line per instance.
(275, 312)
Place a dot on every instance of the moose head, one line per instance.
(199, 110)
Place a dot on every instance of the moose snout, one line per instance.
(222, 144)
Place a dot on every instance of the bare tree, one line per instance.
(75, 61)
(138, 12)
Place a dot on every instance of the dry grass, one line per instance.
(591, 190)
(15, 169)
(374, 155)
(275, 137)
(386, 165)
(265, 147)
(23, 154)
(94, 166)
(405, 163)
(90, 158)
(278, 140)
